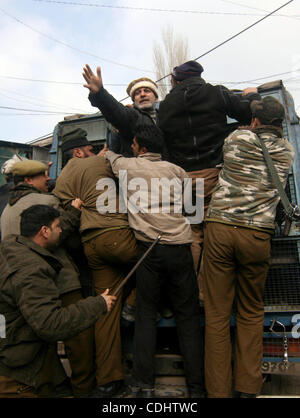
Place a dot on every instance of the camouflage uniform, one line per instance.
(239, 224)
(245, 194)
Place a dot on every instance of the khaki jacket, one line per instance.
(87, 178)
(31, 306)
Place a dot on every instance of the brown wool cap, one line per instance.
(142, 82)
(29, 168)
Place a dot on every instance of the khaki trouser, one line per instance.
(10, 388)
(110, 256)
(235, 265)
(210, 176)
(81, 355)
(51, 382)
(80, 351)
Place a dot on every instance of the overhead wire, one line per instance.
(123, 84)
(34, 101)
(37, 110)
(256, 8)
(70, 46)
(206, 53)
(229, 39)
(150, 9)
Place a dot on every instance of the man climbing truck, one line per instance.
(281, 338)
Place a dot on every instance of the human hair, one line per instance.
(67, 155)
(18, 179)
(150, 137)
(8, 177)
(35, 217)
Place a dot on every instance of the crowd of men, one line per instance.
(104, 214)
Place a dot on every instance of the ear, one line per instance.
(255, 122)
(78, 153)
(44, 231)
(28, 180)
(143, 150)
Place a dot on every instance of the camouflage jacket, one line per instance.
(245, 194)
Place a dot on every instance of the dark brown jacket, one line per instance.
(31, 305)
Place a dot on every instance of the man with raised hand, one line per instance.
(144, 94)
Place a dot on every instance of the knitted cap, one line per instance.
(74, 139)
(268, 110)
(186, 70)
(142, 82)
(8, 165)
(29, 168)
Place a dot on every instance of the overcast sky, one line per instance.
(45, 44)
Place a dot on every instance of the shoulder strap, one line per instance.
(292, 211)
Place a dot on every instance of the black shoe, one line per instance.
(145, 393)
(115, 389)
(95, 393)
(247, 395)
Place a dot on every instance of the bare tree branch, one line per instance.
(171, 51)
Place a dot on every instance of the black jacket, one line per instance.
(193, 117)
(123, 118)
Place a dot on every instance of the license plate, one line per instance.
(280, 368)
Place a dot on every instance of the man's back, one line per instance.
(10, 218)
(193, 117)
(245, 192)
(79, 178)
(155, 189)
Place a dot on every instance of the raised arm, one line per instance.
(121, 117)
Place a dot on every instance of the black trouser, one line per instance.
(171, 265)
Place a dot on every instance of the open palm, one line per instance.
(93, 81)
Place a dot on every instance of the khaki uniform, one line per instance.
(110, 247)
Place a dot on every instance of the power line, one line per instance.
(39, 81)
(234, 36)
(124, 85)
(70, 46)
(244, 30)
(51, 81)
(37, 110)
(229, 39)
(256, 8)
(29, 114)
(149, 9)
(34, 100)
(261, 78)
